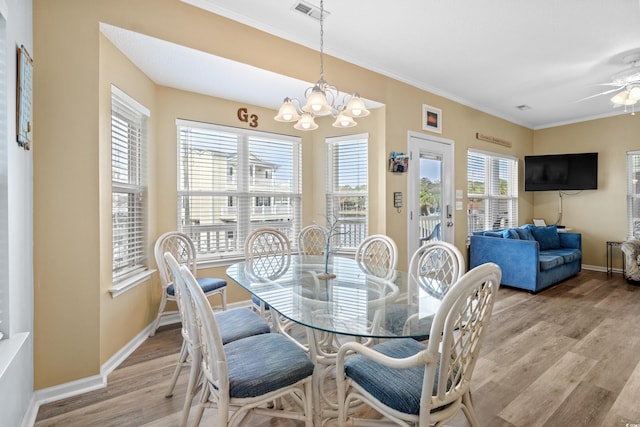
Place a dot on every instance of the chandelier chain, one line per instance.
(322, 40)
(322, 99)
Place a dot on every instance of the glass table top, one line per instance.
(355, 302)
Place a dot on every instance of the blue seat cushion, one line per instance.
(568, 254)
(263, 363)
(396, 316)
(240, 323)
(207, 284)
(399, 389)
(256, 301)
(548, 262)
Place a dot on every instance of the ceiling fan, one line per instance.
(626, 82)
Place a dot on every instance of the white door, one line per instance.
(430, 190)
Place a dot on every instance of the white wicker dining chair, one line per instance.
(411, 383)
(267, 253)
(378, 255)
(184, 251)
(434, 267)
(234, 324)
(245, 376)
(312, 240)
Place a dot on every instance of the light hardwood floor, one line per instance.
(568, 356)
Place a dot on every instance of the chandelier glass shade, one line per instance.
(322, 99)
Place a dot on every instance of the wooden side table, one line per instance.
(610, 246)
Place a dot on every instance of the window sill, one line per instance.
(130, 283)
(9, 348)
(218, 262)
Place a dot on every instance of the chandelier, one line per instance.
(322, 100)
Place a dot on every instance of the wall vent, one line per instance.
(309, 10)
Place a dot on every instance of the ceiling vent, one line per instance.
(308, 9)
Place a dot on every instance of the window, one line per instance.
(6, 295)
(633, 194)
(347, 189)
(232, 181)
(492, 191)
(128, 185)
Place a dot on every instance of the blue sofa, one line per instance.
(531, 258)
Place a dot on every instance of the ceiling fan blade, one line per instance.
(601, 93)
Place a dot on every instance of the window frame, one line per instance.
(356, 232)
(491, 219)
(633, 195)
(239, 189)
(135, 116)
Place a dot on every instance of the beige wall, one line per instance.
(123, 317)
(601, 214)
(66, 205)
(78, 325)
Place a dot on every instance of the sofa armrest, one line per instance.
(518, 259)
(571, 240)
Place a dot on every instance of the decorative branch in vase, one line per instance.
(332, 231)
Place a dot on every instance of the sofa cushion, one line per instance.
(547, 262)
(547, 237)
(510, 233)
(568, 254)
(524, 233)
(492, 233)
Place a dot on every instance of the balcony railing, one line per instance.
(257, 213)
(427, 224)
(222, 239)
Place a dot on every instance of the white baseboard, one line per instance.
(95, 382)
(601, 268)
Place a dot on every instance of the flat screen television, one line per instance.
(561, 172)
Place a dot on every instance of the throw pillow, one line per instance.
(510, 233)
(524, 232)
(547, 237)
(492, 233)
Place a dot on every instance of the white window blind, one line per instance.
(128, 185)
(5, 295)
(633, 194)
(492, 191)
(348, 189)
(232, 181)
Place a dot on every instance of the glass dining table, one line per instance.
(352, 302)
(355, 302)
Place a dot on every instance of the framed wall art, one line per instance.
(431, 118)
(24, 96)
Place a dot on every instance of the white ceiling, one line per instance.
(492, 55)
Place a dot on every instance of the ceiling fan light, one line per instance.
(317, 103)
(634, 93)
(356, 107)
(621, 98)
(306, 122)
(344, 121)
(287, 112)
